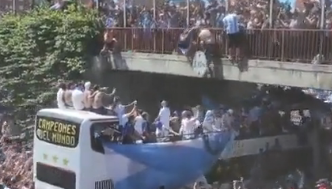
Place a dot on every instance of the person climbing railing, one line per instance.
(285, 45)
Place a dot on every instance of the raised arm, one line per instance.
(130, 104)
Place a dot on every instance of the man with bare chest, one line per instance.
(99, 97)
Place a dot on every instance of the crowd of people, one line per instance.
(278, 32)
(254, 14)
(16, 162)
(261, 115)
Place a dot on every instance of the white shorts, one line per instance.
(162, 132)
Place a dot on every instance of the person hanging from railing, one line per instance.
(109, 41)
(207, 42)
(187, 43)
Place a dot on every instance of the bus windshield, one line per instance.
(55, 176)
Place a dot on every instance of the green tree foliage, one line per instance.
(41, 47)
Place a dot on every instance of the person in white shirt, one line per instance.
(120, 109)
(139, 122)
(164, 117)
(77, 98)
(188, 125)
(87, 93)
(208, 121)
(60, 96)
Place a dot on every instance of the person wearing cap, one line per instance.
(87, 92)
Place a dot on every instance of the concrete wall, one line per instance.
(259, 71)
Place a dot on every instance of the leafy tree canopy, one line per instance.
(41, 47)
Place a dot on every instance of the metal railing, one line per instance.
(268, 44)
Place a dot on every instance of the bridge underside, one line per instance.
(259, 71)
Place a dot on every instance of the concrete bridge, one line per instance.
(259, 71)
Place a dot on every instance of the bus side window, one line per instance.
(96, 144)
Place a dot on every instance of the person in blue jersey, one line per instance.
(231, 25)
(128, 131)
(149, 132)
(147, 23)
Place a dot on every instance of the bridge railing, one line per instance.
(267, 44)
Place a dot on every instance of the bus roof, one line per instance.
(73, 115)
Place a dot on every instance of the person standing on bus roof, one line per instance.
(68, 95)
(120, 109)
(60, 96)
(139, 122)
(78, 97)
(87, 92)
(98, 97)
(149, 134)
(129, 133)
(164, 117)
(189, 124)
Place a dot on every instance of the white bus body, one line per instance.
(62, 150)
(69, 154)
